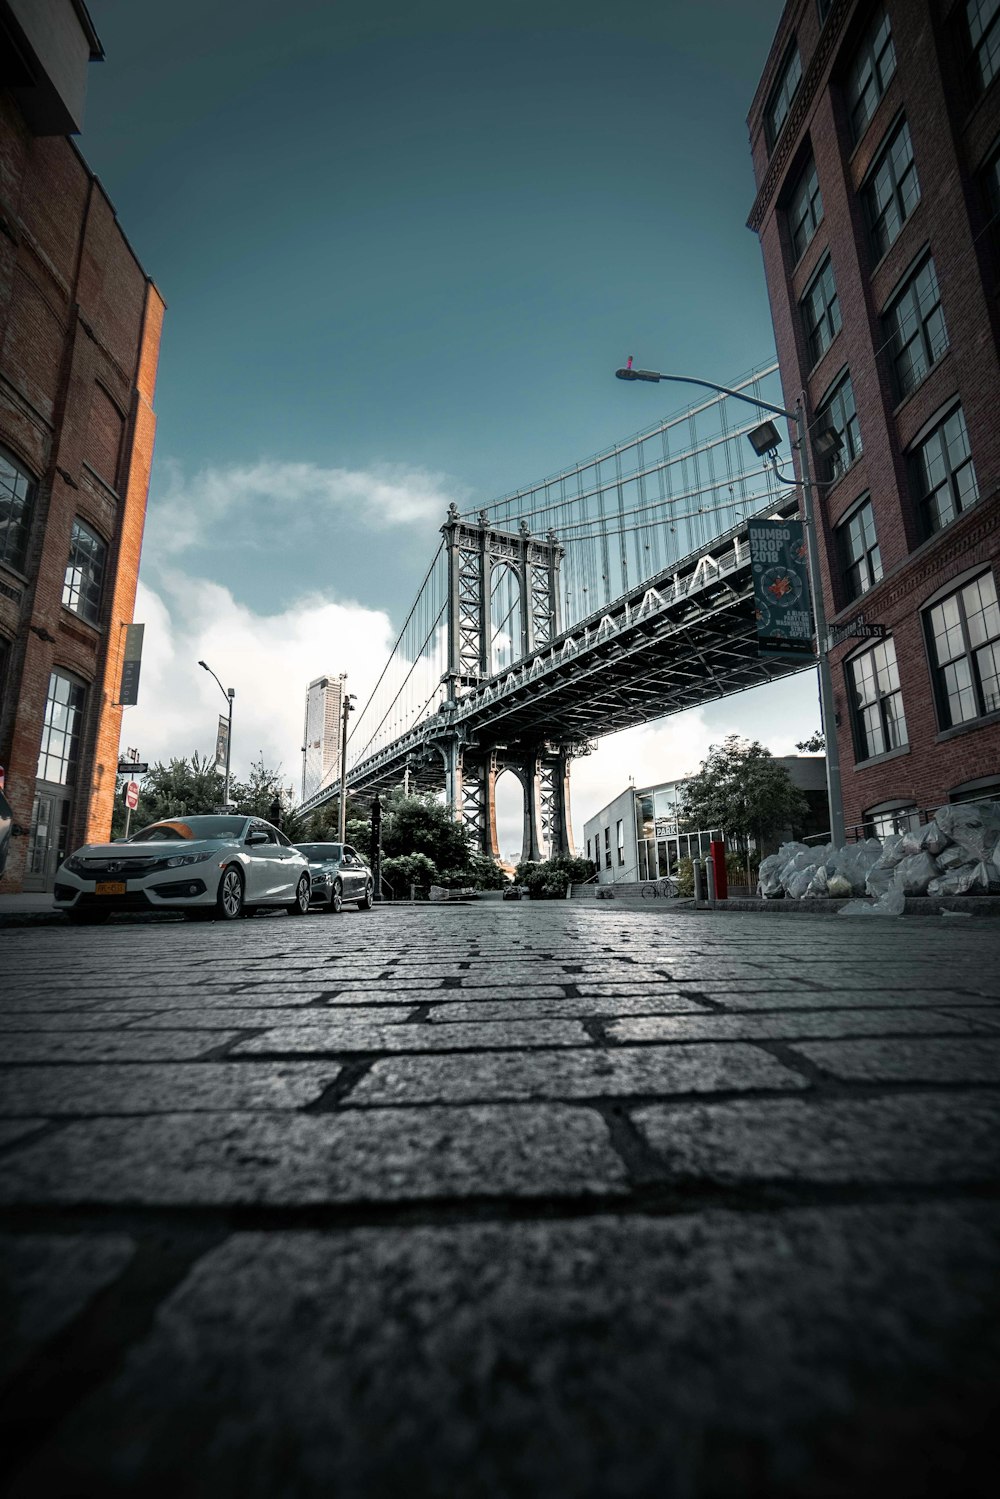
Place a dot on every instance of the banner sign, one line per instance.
(856, 629)
(782, 603)
(221, 743)
(129, 693)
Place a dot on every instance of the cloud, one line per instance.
(269, 659)
(251, 504)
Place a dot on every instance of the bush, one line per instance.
(550, 879)
(406, 870)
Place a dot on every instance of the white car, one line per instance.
(224, 866)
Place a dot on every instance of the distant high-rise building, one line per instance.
(875, 134)
(321, 734)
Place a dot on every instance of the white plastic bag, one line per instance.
(915, 872)
(968, 879)
(838, 886)
(973, 827)
(817, 887)
(930, 839)
(891, 903)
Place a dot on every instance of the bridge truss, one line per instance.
(612, 594)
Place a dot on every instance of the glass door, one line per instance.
(47, 842)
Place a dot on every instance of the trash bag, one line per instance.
(915, 873)
(891, 903)
(892, 852)
(838, 886)
(878, 881)
(973, 826)
(851, 864)
(929, 839)
(769, 877)
(968, 879)
(799, 881)
(817, 887)
(951, 858)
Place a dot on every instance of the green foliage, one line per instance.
(181, 789)
(550, 878)
(404, 870)
(685, 876)
(423, 825)
(741, 789)
(814, 745)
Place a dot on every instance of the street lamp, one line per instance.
(765, 439)
(342, 815)
(228, 695)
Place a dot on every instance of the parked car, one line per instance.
(224, 866)
(338, 874)
(516, 892)
(6, 830)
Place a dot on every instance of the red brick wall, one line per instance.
(950, 142)
(79, 335)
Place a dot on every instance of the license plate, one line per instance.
(110, 887)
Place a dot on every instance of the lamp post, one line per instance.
(827, 712)
(342, 815)
(228, 695)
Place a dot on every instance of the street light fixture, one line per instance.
(765, 439)
(228, 695)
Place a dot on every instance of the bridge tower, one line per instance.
(475, 550)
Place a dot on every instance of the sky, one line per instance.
(404, 244)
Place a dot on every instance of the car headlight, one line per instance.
(318, 876)
(75, 863)
(176, 860)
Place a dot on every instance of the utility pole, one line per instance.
(342, 818)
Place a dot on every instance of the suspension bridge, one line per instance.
(613, 593)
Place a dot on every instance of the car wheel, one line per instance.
(300, 905)
(366, 901)
(88, 916)
(229, 903)
(337, 896)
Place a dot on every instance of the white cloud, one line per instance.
(269, 659)
(254, 503)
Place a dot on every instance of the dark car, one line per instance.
(338, 873)
(516, 892)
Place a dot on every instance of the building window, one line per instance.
(889, 818)
(17, 495)
(838, 412)
(943, 476)
(781, 96)
(964, 641)
(60, 750)
(621, 841)
(84, 573)
(607, 848)
(879, 721)
(913, 328)
(870, 72)
(892, 191)
(820, 312)
(984, 33)
(805, 209)
(860, 559)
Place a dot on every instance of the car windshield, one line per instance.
(316, 852)
(180, 830)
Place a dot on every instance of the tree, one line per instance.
(181, 789)
(551, 878)
(814, 745)
(741, 789)
(423, 825)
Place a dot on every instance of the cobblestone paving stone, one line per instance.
(500, 1200)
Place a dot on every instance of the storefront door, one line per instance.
(47, 844)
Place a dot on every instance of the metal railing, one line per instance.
(903, 820)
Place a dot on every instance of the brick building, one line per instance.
(875, 134)
(79, 339)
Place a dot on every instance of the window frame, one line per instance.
(829, 316)
(893, 332)
(83, 587)
(67, 758)
(986, 47)
(943, 695)
(876, 217)
(866, 53)
(888, 724)
(863, 561)
(904, 816)
(20, 511)
(917, 469)
(833, 467)
(802, 196)
(780, 94)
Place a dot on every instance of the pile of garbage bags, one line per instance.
(957, 853)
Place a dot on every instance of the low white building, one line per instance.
(637, 835)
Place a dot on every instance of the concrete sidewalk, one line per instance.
(507, 1200)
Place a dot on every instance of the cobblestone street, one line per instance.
(482, 1200)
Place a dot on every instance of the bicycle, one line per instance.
(666, 886)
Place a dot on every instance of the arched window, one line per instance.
(60, 748)
(17, 498)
